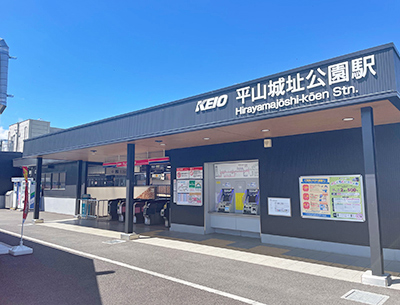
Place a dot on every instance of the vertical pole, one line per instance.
(148, 173)
(371, 190)
(84, 178)
(78, 193)
(38, 187)
(130, 181)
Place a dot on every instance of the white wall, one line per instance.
(26, 130)
(114, 192)
(60, 205)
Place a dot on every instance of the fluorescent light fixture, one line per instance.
(348, 119)
(265, 130)
(163, 144)
(206, 139)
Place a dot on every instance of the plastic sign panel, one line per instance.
(189, 192)
(189, 173)
(182, 173)
(279, 207)
(332, 197)
(188, 186)
(196, 173)
(236, 170)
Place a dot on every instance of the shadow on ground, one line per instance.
(47, 277)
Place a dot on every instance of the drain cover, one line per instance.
(114, 241)
(365, 297)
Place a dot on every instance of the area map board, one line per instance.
(188, 187)
(332, 197)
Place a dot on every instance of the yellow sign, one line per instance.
(239, 201)
(25, 171)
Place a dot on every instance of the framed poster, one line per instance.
(196, 172)
(279, 207)
(190, 192)
(189, 173)
(332, 197)
(182, 173)
(189, 186)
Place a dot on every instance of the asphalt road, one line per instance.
(76, 268)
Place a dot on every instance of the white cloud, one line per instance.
(3, 133)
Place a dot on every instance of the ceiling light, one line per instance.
(265, 130)
(206, 139)
(348, 119)
(163, 144)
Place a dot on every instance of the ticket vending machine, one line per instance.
(251, 201)
(19, 193)
(225, 199)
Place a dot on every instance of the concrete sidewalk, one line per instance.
(249, 250)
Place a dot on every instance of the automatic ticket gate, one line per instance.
(251, 200)
(225, 199)
(152, 211)
(165, 214)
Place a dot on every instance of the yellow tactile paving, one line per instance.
(216, 242)
(268, 250)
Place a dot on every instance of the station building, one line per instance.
(306, 157)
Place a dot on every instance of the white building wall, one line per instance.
(27, 129)
(60, 205)
(38, 128)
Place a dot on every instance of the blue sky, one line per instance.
(82, 61)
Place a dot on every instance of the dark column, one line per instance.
(148, 173)
(38, 189)
(78, 186)
(84, 178)
(130, 182)
(371, 191)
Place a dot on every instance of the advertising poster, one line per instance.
(279, 207)
(182, 173)
(196, 173)
(332, 197)
(236, 170)
(189, 192)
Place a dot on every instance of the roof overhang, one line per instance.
(385, 112)
(309, 99)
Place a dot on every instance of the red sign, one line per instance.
(142, 162)
(137, 162)
(182, 173)
(159, 160)
(122, 164)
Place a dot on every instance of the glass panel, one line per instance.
(56, 181)
(47, 182)
(62, 180)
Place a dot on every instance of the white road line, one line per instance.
(156, 274)
(85, 230)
